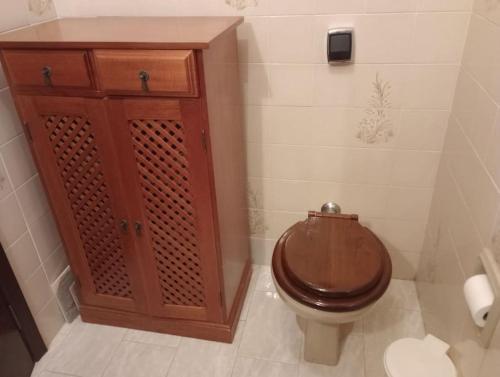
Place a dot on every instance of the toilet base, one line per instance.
(322, 343)
(323, 331)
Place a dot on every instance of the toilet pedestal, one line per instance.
(322, 342)
(317, 272)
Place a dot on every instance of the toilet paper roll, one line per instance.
(480, 297)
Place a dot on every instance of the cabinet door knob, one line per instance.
(47, 75)
(144, 77)
(138, 228)
(124, 225)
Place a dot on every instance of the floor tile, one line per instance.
(382, 327)
(86, 350)
(246, 367)
(256, 269)
(351, 363)
(52, 374)
(268, 344)
(265, 281)
(148, 337)
(401, 294)
(140, 360)
(271, 331)
(201, 358)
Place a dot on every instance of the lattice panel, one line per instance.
(79, 165)
(161, 156)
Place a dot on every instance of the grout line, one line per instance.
(374, 185)
(113, 354)
(18, 202)
(484, 18)
(174, 357)
(365, 13)
(349, 148)
(475, 152)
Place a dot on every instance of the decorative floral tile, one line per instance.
(241, 4)
(377, 126)
(39, 7)
(256, 215)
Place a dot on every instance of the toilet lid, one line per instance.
(416, 358)
(333, 256)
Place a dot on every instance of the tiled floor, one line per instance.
(268, 343)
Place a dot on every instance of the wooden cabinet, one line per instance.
(145, 176)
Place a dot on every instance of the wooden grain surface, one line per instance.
(172, 72)
(69, 69)
(330, 263)
(333, 256)
(122, 32)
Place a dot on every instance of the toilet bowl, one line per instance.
(411, 357)
(330, 270)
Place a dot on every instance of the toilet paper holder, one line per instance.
(492, 269)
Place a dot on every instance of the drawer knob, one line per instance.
(47, 75)
(138, 228)
(124, 225)
(144, 77)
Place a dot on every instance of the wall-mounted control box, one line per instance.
(340, 45)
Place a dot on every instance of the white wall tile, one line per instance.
(55, 264)
(475, 112)
(45, 235)
(364, 166)
(255, 83)
(290, 85)
(380, 6)
(430, 87)
(445, 5)
(279, 124)
(493, 154)
(14, 14)
(9, 121)
(253, 44)
(408, 203)
(440, 37)
(36, 290)
(12, 224)
(32, 199)
(339, 6)
(49, 321)
(23, 257)
(400, 235)
(479, 191)
(17, 157)
(422, 130)
(489, 9)
(286, 7)
(5, 185)
(290, 39)
(482, 55)
(353, 85)
(415, 168)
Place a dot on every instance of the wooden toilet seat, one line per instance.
(332, 263)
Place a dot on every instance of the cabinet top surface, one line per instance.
(122, 32)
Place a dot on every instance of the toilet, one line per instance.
(411, 357)
(330, 270)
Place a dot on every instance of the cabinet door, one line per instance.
(72, 144)
(165, 170)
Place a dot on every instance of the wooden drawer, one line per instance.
(167, 72)
(49, 68)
